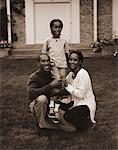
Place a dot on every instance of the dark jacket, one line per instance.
(39, 84)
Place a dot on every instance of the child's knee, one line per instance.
(63, 72)
(42, 99)
(56, 92)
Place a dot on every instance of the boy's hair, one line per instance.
(39, 56)
(80, 55)
(54, 20)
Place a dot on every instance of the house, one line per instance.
(84, 21)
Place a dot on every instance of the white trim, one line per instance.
(95, 19)
(75, 20)
(51, 1)
(9, 21)
(29, 19)
(114, 19)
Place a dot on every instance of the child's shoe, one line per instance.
(51, 113)
(115, 54)
(56, 118)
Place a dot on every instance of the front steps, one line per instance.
(24, 53)
(33, 52)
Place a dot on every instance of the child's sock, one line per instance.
(51, 111)
(56, 109)
(57, 116)
(51, 104)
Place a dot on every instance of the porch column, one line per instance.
(29, 21)
(9, 21)
(95, 19)
(75, 21)
(115, 18)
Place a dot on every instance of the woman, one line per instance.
(78, 84)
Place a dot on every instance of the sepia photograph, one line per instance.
(58, 74)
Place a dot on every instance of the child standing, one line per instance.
(58, 50)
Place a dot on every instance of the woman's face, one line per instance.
(73, 61)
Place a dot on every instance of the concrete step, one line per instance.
(23, 53)
(35, 56)
(40, 46)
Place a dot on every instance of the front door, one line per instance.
(44, 13)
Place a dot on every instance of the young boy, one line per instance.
(58, 50)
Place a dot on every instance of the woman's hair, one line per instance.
(79, 54)
(54, 20)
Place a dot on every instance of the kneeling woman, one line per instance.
(78, 84)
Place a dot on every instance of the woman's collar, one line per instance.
(74, 73)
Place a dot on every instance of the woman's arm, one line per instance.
(79, 90)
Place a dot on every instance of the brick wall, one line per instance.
(105, 19)
(2, 3)
(19, 29)
(86, 21)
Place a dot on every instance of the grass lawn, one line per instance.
(18, 130)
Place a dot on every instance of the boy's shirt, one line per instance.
(56, 48)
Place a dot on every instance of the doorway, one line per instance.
(44, 13)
